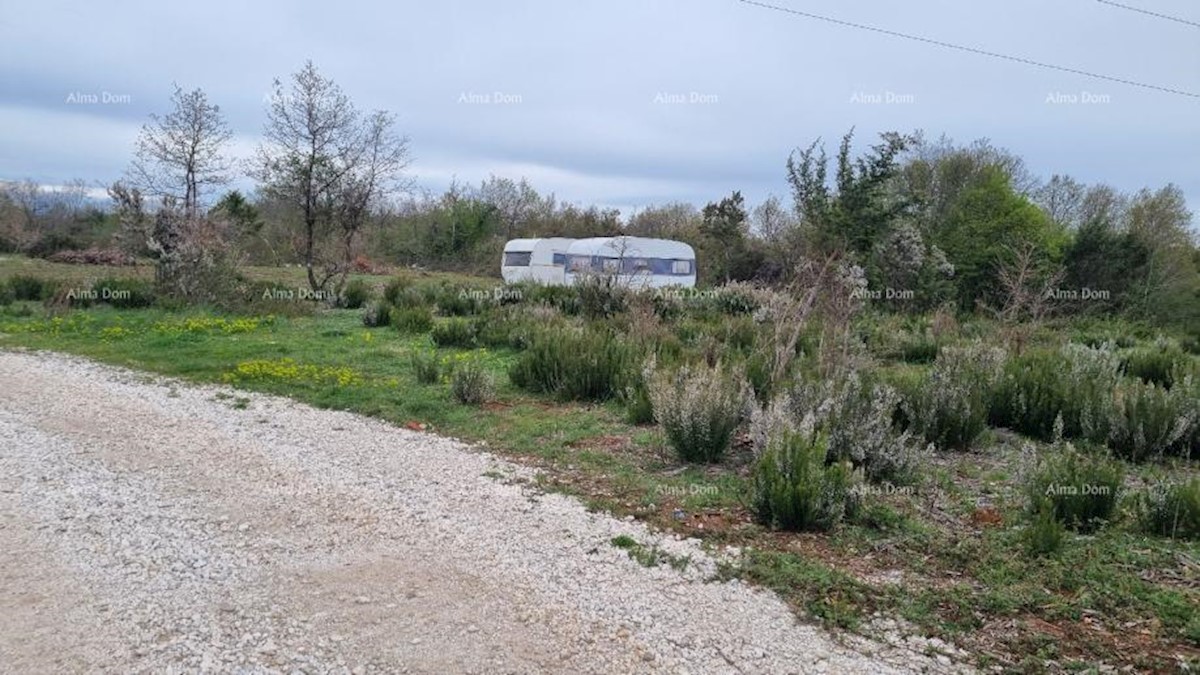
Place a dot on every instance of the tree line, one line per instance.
(929, 222)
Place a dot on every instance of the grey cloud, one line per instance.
(625, 102)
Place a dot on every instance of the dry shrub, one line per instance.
(699, 409)
(950, 408)
(944, 324)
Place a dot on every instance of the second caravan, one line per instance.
(637, 262)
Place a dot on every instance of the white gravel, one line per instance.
(153, 526)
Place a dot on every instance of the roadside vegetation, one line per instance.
(881, 488)
(935, 389)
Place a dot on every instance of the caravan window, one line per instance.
(607, 265)
(637, 266)
(669, 267)
(517, 258)
(560, 259)
(681, 267)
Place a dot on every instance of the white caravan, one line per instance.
(538, 260)
(638, 262)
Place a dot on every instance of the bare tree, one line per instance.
(671, 220)
(383, 157)
(134, 234)
(323, 157)
(1105, 204)
(772, 221)
(786, 314)
(28, 198)
(34, 210)
(516, 202)
(1027, 285)
(182, 155)
(1161, 221)
(1062, 199)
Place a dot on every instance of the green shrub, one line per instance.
(668, 348)
(563, 298)
(454, 333)
(793, 488)
(1187, 392)
(919, 348)
(505, 327)
(1097, 340)
(19, 311)
(1031, 395)
(6, 293)
(910, 339)
(1045, 534)
(411, 298)
(601, 296)
(738, 334)
(124, 292)
(426, 367)
(858, 418)
(26, 287)
(635, 397)
(50, 243)
(1101, 331)
(575, 365)
(459, 302)
(471, 383)
(639, 409)
(244, 297)
(1157, 365)
(1080, 489)
(396, 290)
(1191, 344)
(377, 314)
(1074, 383)
(666, 306)
(354, 295)
(950, 409)
(1171, 509)
(1148, 420)
(699, 410)
(759, 377)
(412, 320)
(734, 299)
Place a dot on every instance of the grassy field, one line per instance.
(947, 554)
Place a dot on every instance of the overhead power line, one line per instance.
(1147, 12)
(973, 50)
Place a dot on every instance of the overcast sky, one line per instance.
(618, 102)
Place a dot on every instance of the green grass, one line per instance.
(649, 556)
(991, 578)
(825, 592)
(292, 277)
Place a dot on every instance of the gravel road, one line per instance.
(152, 526)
